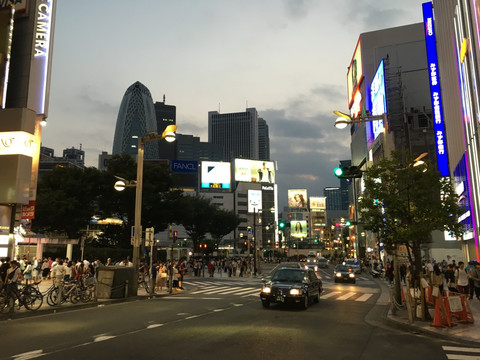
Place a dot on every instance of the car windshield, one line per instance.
(342, 268)
(322, 260)
(286, 275)
(351, 262)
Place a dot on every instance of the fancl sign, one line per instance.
(180, 166)
(435, 92)
(40, 64)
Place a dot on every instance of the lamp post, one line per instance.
(167, 135)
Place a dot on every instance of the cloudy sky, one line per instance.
(286, 58)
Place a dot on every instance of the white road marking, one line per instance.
(153, 326)
(364, 297)
(326, 296)
(29, 355)
(346, 296)
(461, 349)
(210, 289)
(103, 338)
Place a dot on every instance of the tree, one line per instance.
(65, 200)
(403, 204)
(223, 222)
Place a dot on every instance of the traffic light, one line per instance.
(281, 225)
(175, 233)
(347, 172)
(315, 241)
(348, 223)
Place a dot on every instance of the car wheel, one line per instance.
(265, 303)
(305, 302)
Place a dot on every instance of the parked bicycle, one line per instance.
(26, 295)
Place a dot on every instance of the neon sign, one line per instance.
(435, 92)
(378, 96)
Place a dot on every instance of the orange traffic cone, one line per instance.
(437, 317)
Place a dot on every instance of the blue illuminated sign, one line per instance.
(378, 98)
(435, 92)
(182, 166)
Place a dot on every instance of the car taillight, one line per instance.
(350, 270)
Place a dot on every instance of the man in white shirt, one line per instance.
(461, 279)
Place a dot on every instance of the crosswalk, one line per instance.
(252, 289)
(461, 353)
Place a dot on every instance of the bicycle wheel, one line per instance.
(50, 298)
(33, 299)
(147, 286)
(6, 303)
(75, 295)
(88, 293)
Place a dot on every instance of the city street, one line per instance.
(223, 317)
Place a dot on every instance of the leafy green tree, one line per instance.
(403, 204)
(65, 200)
(223, 222)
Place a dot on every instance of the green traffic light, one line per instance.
(348, 223)
(281, 225)
(338, 171)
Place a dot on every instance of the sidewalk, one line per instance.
(459, 331)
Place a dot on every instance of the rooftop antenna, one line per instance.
(80, 146)
(164, 98)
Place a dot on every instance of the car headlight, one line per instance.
(316, 268)
(295, 291)
(306, 267)
(267, 290)
(351, 275)
(338, 274)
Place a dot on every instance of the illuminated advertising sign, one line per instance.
(297, 198)
(318, 203)
(298, 228)
(39, 81)
(354, 74)
(378, 98)
(462, 189)
(254, 200)
(435, 93)
(17, 143)
(254, 171)
(215, 175)
(182, 166)
(6, 35)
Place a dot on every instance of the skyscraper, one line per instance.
(263, 140)
(165, 115)
(136, 118)
(236, 132)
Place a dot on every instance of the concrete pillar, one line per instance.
(39, 253)
(69, 251)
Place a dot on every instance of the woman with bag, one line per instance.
(161, 276)
(27, 273)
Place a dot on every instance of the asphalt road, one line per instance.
(223, 319)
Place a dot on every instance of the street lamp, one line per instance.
(344, 120)
(169, 136)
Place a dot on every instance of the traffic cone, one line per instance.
(447, 312)
(437, 317)
(428, 296)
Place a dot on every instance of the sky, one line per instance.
(286, 58)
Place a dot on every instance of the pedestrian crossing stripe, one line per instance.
(473, 351)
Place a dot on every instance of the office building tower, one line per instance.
(76, 156)
(344, 187)
(190, 148)
(236, 132)
(263, 140)
(136, 118)
(165, 115)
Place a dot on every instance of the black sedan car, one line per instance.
(292, 286)
(343, 273)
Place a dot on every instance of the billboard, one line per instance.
(354, 74)
(379, 99)
(318, 203)
(215, 175)
(183, 166)
(435, 90)
(298, 228)
(297, 198)
(254, 200)
(254, 171)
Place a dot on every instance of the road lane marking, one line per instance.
(346, 296)
(326, 296)
(210, 289)
(364, 297)
(103, 338)
(153, 326)
(461, 349)
(29, 355)
(462, 357)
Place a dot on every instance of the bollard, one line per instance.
(126, 289)
(60, 293)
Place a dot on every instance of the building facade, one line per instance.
(136, 118)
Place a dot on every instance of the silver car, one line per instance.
(354, 264)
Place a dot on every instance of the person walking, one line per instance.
(461, 279)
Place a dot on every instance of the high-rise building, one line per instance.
(76, 156)
(236, 132)
(136, 118)
(190, 148)
(165, 115)
(263, 140)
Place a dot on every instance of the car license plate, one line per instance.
(280, 298)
